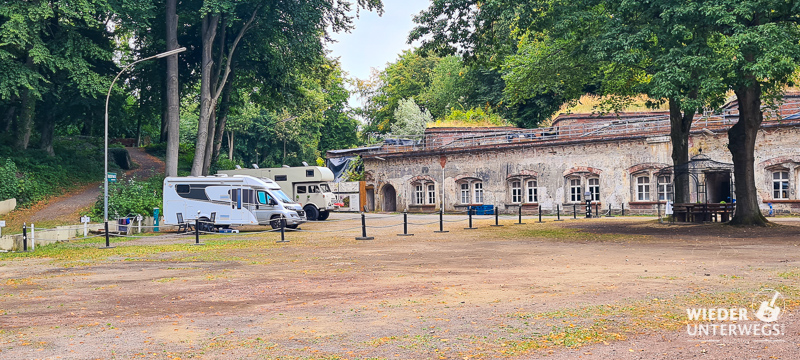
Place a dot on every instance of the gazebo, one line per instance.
(711, 188)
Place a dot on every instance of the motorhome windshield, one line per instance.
(282, 197)
(325, 188)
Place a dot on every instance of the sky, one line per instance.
(376, 41)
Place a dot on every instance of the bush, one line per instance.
(131, 197)
(33, 175)
(9, 184)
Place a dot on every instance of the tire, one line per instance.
(323, 215)
(312, 214)
(275, 221)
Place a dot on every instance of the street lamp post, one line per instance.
(108, 96)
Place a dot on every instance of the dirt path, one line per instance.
(67, 207)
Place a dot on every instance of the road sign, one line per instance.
(85, 219)
(2, 223)
(112, 177)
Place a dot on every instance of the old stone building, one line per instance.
(619, 160)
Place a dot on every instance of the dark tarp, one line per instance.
(339, 166)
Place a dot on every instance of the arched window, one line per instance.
(533, 192)
(665, 190)
(575, 189)
(594, 188)
(516, 191)
(780, 185)
(470, 191)
(643, 188)
(419, 195)
(478, 187)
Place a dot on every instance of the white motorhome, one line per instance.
(222, 201)
(307, 185)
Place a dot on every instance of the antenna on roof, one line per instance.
(238, 167)
(305, 163)
(255, 166)
(286, 166)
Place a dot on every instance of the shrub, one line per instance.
(130, 197)
(9, 184)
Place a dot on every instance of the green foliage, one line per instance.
(9, 184)
(131, 197)
(31, 176)
(410, 120)
(355, 172)
(185, 155)
(472, 117)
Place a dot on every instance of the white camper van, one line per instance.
(221, 201)
(307, 185)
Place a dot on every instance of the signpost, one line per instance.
(85, 220)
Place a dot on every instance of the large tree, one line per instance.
(757, 49)
(226, 24)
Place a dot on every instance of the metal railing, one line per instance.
(645, 126)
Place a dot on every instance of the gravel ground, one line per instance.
(479, 294)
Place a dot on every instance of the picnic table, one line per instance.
(694, 212)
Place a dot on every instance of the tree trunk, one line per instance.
(741, 143)
(47, 129)
(212, 124)
(206, 100)
(25, 122)
(8, 119)
(230, 145)
(680, 126)
(163, 135)
(172, 97)
(224, 107)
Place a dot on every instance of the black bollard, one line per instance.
(609, 211)
(364, 229)
(405, 224)
(574, 212)
(197, 232)
(441, 222)
(283, 231)
(469, 212)
(540, 213)
(496, 216)
(520, 216)
(108, 243)
(623, 209)
(596, 210)
(558, 212)
(24, 237)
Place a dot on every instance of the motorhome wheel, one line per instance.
(323, 215)
(312, 214)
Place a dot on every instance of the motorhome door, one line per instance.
(265, 206)
(237, 209)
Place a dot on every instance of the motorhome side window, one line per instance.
(301, 189)
(309, 173)
(182, 189)
(280, 178)
(314, 189)
(262, 197)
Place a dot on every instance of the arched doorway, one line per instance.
(389, 198)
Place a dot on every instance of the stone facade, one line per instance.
(617, 170)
